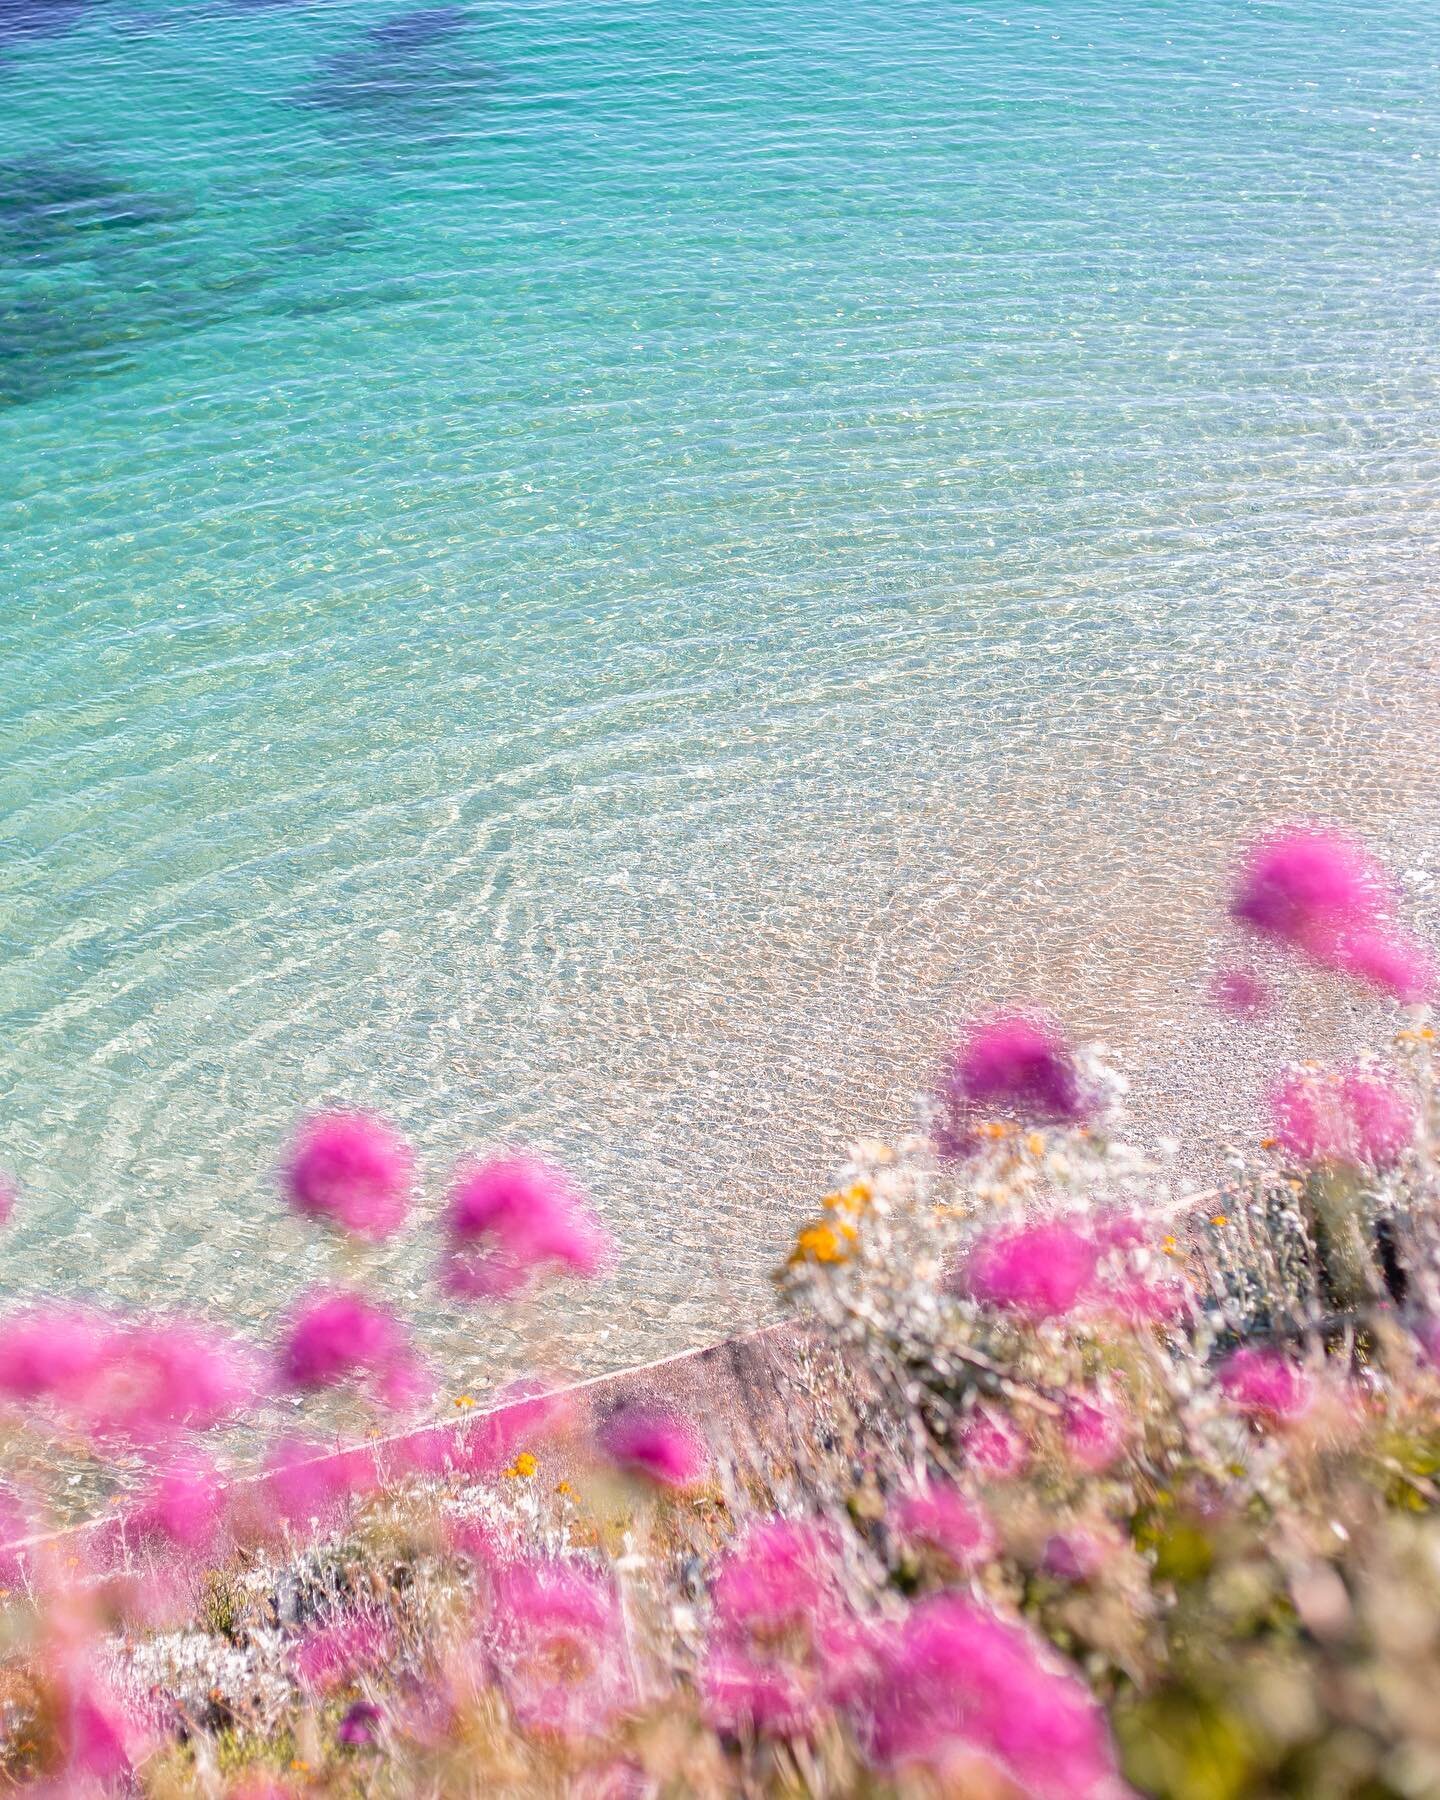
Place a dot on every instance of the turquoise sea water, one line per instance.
(584, 572)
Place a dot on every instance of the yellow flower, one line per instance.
(563, 1487)
(823, 1242)
(1169, 1246)
(524, 1465)
(464, 1400)
(1035, 1144)
(1219, 1219)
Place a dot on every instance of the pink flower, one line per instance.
(775, 1577)
(352, 1170)
(992, 1446)
(1042, 1270)
(337, 1335)
(9, 1194)
(1240, 993)
(1015, 1066)
(510, 1219)
(661, 1449)
(306, 1482)
(333, 1654)
(522, 1415)
(742, 1693)
(785, 1644)
(555, 1644)
(1308, 888)
(1353, 1115)
(1390, 961)
(51, 1353)
(959, 1681)
(940, 1516)
(1320, 893)
(1092, 1431)
(360, 1727)
(1078, 1555)
(1264, 1386)
(185, 1506)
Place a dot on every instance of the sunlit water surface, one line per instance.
(589, 573)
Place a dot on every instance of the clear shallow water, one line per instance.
(583, 573)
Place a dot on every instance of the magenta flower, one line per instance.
(513, 1218)
(993, 1447)
(940, 1516)
(1321, 894)
(307, 1482)
(333, 1654)
(521, 1416)
(959, 1681)
(1266, 1387)
(1020, 1067)
(360, 1727)
(1308, 888)
(52, 1353)
(1092, 1431)
(1041, 1270)
(743, 1693)
(1354, 1115)
(1391, 961)
(555, 1645)
(785, 1644)
(655, 1446)
(185, 1506)
(338, 1335)
(353, 1171)
(1240, 993)
(778, 1575)
(1078, 1555)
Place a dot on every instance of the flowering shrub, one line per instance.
(1068, 1480)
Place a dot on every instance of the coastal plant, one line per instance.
(1067, 1478)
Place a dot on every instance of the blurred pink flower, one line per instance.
(1307, 888)
(958, 1680)
(1265, 1386)
(1391, 961)
(9, 1194)
(744, 1694)
(1079, 1554)
(1322, 894)
(778, 1574)
(1093, 1431)
(654, 1445)
(1352, 1115)
(522, 1415)
(1017, 1067)
(337, 1335)
(118, 1378)
(306, 1483)
(353, 1171)
(510, 1219)
(940, 1516)
(51, 1352)
(360, 1726)
(185, 1506)
(1043, 1270)
(554, 1640)
(333, 1654)
(1241, 993)
(167, 1377)
(993, 1447)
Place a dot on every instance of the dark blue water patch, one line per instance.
(58, 208)
(409, 77)
(20, 19)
